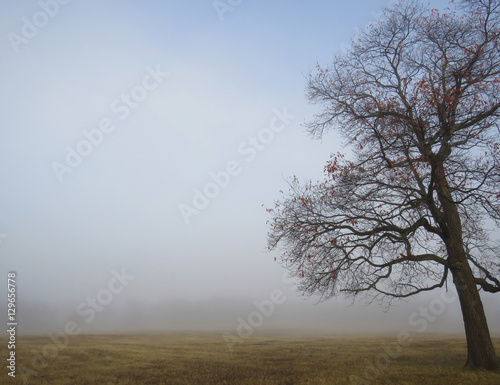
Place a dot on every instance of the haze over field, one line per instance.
(142, 139)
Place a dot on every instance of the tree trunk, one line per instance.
(480, 351)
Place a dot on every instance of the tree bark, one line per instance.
(480, 350)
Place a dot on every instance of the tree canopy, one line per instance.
(416, 100)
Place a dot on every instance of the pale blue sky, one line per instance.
(119, 208)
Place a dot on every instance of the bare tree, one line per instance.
(417, 101)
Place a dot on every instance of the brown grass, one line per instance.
(204, 358)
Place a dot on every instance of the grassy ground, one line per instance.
(204, 358)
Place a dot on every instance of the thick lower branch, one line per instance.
(486, 286)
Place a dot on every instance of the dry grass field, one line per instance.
(278, 359)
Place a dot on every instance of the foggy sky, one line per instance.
(116, 115)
